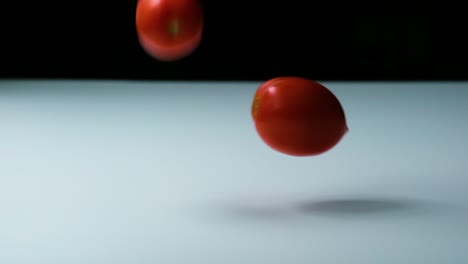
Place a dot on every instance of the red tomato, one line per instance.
(169, 30)
(297, 116)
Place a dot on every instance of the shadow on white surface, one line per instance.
(358, 206)
(332, 207)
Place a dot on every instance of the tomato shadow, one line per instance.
(361, 206)
(331, 207)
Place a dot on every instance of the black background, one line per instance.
(241, 41)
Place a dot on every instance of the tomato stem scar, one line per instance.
(174, 27)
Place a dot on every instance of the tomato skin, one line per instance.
(297, 116)
(169, 30)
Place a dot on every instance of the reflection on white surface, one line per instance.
(141, 172)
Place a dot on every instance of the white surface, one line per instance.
(141, 172)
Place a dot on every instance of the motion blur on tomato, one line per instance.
(297, 116)
(169, 30)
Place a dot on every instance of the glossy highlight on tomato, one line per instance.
(169, 30)
(298, 116)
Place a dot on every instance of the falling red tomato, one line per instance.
(297, 116)
(169, 30)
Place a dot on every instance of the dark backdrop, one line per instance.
(241, 41)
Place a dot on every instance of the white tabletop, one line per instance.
(115, 172)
